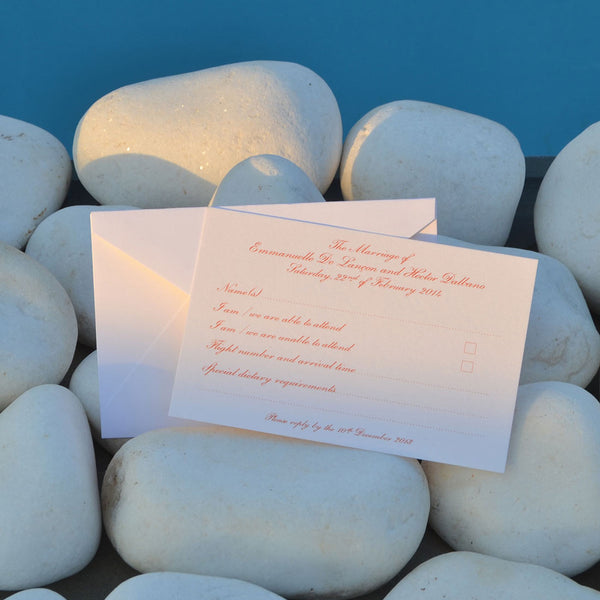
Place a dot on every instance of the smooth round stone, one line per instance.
(567, 211)
(38, 328)
(35, 171)
(473, 167)
(36, 594)
(170, 141)
(298, 518)
(63, 244)
(562, 342)
(84, 384)
(265, 179)
(462, 575)
(187, 586)
(544, 508)
(49, 506)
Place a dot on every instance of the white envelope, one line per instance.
(143, 262)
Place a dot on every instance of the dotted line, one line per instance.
(415, 405)
(347, 413)
(425, 384)
(365, 314)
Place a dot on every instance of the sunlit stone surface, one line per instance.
(170, 141)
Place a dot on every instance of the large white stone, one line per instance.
(265, 179)
(465, 575)
(298, 518)
(35, 171)
(567, 211)
(84, 384)
(562, 341)
(38, 328)
(474, 167)
(187, 586)
(63, 244)
(544, 508)
(170, 141)
(50, 520)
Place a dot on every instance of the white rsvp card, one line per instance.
(354, 338)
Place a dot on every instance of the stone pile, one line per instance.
(211, 511)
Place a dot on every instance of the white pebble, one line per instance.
(567, 211)
(462, 575)
(187, 586)
(544, 508)
(170, 141)
(36, 594)
(473, 167)
(49, 506)
(265, 179)
(295, 517)
(35, 171)
(84, 384)
(38, 328)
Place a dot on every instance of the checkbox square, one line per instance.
(470, 348)
(467, 366)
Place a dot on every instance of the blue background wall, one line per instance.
(533, 66)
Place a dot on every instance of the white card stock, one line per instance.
(355, 338)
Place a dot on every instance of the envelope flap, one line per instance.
(402, 218)
(164, 240)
